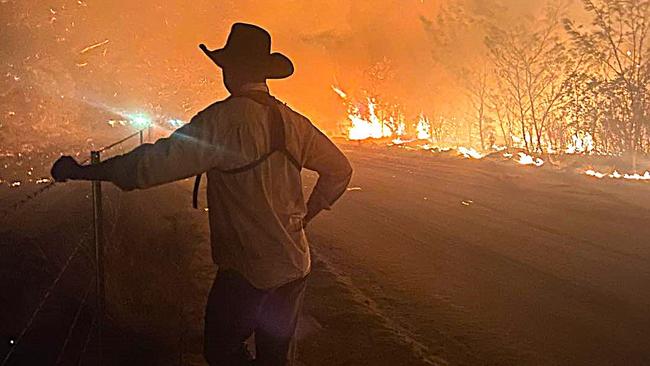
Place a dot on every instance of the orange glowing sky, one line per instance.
(152, 61)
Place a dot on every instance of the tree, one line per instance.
(616, 48)
(456, 34)
(531, 62)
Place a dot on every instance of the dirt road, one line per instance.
(426, 260)
(481, 262)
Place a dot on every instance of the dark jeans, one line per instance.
(236, 310)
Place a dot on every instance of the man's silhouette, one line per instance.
(252, 148)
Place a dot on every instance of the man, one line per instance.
(252, 148)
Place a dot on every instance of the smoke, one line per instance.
(147, 57)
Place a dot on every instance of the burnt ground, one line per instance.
(427, 260)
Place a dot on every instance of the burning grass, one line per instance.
(368, 123)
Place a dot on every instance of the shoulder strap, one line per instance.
(195, 192)
(278, 141)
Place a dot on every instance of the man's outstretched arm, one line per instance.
(187, 152)
(334, 174)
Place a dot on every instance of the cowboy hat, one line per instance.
(249, 48)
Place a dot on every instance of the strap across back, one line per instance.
(278, 140)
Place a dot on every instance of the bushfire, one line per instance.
(366, 121)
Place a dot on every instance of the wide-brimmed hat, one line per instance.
(249, 48)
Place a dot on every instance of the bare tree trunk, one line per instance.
(523, 132)
(480, 126)
(506, 138)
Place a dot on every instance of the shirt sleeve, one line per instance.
(186, 152)
(334, 172)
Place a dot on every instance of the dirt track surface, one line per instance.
(426, 260)
(483, 262)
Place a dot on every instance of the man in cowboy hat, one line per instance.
(252, 148)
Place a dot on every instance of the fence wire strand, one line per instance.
(87, 341)
(41, 304)
(31, 196)
(73, 325)
(48, 292)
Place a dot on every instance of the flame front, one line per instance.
(525, 159)
(369, 127)
(469, 152)
(371, 119)
(373, 124)
(423, 128)
(616, 175)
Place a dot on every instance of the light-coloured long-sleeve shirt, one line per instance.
(256, 216)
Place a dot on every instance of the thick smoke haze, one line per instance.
(146, 56)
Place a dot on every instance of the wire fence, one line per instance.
(96, 324)
(12, 209)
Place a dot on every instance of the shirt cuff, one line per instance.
(319, 202)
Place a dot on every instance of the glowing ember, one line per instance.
(114, 122)
(93, 46)
(470, 152)
(595, 174)
(340, 92)
(15, 184)
(616, 175)
(636, 176)
(525, 159)
(42, 181)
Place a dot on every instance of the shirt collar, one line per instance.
(251, 87)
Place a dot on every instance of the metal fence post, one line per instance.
(98, 227)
